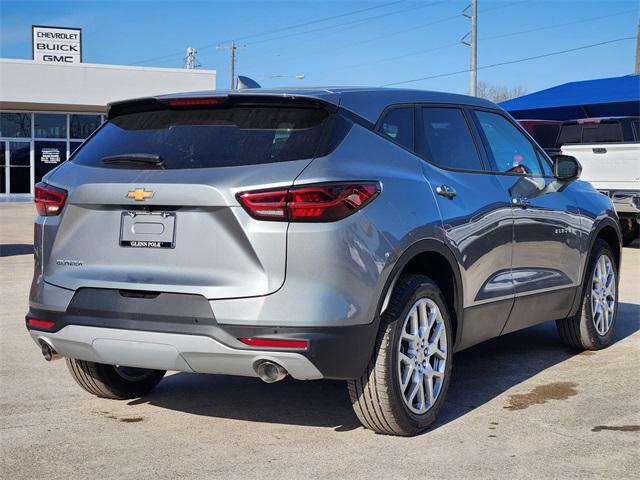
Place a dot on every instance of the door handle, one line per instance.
(445, 191)
(520, 202)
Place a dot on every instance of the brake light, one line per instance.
(33, 322)
(274, 342)
(189, 102)
(588, 121)
(49, 200)
(265, 205)
(326, 202)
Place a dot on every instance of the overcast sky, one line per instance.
(345, 42)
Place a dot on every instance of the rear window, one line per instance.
(570, 134)
(546, 135)
(602, 133)
(610, 132)
(210, 137)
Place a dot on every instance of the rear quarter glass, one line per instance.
(211, 137)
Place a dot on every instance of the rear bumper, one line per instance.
(625, 202)
(167, 351)
(169, 331)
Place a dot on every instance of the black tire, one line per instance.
(376, 396)
(107, 381)
(630, 231)
(579, 332)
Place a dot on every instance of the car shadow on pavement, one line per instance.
(13, 249)
(485, 371)
(480, 374)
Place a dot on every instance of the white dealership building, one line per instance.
(50, 104)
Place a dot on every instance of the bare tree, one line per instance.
(499, 93)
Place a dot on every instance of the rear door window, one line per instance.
(397, 125)
(546, 135)
(509, 149)
(446, 139)
(210, 137)
(570, 134)
(602, 133)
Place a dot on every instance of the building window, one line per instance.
(33, 143)
(16, 125)
(73, 146)
(48, 155)
(50, 125)
(81, 126)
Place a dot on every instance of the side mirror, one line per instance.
(566, 168)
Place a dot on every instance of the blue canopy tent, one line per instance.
(605, 97)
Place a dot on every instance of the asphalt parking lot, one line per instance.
(520, 406)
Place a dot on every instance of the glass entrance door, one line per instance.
(3, 168)
(15, 167)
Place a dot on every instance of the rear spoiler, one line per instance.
(147, 104)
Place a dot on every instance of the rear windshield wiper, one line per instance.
(144, 160)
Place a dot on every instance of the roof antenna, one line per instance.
(245, 83)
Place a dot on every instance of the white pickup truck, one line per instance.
(609, 151)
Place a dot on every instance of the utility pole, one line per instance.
(471, 40)
(473, 74)
(232, 50)
(638, 49)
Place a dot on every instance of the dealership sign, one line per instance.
(56, 44)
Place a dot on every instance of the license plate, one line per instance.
(148, 229)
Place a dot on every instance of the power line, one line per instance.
(400, 32)
(510, 62)
(233, 47)
(351, 44)
(493, 37)
(289, 27)
(325, 19)
(564, 24)
(351, 22)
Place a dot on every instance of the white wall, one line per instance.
(29, 84)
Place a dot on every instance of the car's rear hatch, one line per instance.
(152, 196)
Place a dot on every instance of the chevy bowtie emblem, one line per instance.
(139, 194)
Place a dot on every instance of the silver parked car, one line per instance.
(344, 233)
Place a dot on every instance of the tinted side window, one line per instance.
(570, 134)
(398, 126)
(546, 135)
(447, 141)
(511, 151)
(636, 128)
(602, 133)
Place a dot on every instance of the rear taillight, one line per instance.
(275, 342)
(34, 322)
(325, 202)
(49, 200)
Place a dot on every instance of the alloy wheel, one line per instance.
(422, 356)
(603, 294)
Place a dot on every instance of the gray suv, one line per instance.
(344, 233)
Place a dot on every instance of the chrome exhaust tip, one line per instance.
(270, 372)
(48, 352)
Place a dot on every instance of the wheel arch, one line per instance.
(608, 230)
(434, 259)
